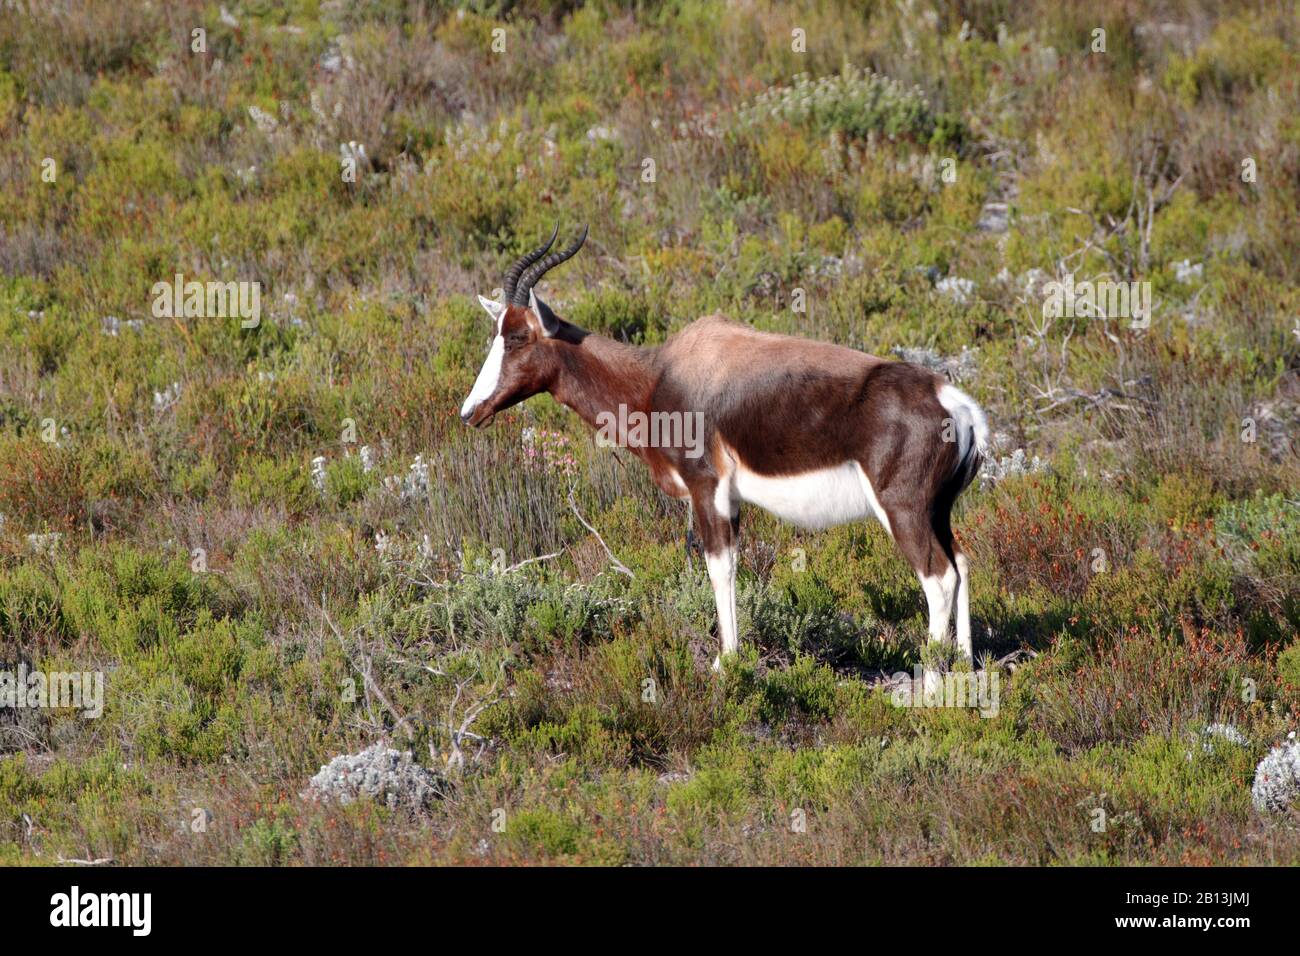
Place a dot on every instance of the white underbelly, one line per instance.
(813, 499)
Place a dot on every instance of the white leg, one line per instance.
(963, 607)
(722, 575)
(940, 593)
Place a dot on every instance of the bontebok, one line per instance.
(815, 433)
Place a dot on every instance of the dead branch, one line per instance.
(618, 565)
(528, 561)
(370, 684)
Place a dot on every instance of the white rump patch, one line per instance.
(969, 418)
(813, 499)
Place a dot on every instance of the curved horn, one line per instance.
(513, 273)
(541, 268)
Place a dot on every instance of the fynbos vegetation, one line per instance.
(239, 251)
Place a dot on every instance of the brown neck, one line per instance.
(598, 374)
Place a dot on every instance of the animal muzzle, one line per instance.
(479, 416)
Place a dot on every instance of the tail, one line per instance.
(972, 434)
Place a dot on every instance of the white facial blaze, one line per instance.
(490, 374)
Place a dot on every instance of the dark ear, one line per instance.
(549, 320)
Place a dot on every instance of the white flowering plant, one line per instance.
(854, 102)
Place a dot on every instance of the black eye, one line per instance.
(515, 341)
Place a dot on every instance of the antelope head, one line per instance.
(522, 360)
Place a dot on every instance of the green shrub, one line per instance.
(268, 481)
(1288, 664)
(545, 831)
(1264, 531)
(806, 689)
(855, 102)
(1241, 54)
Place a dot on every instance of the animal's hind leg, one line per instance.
(941, 524)
(940, 596)
(963, 604)
(931, 558)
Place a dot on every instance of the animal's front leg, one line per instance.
(718, 535)
(722, 575)
(693, 544)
